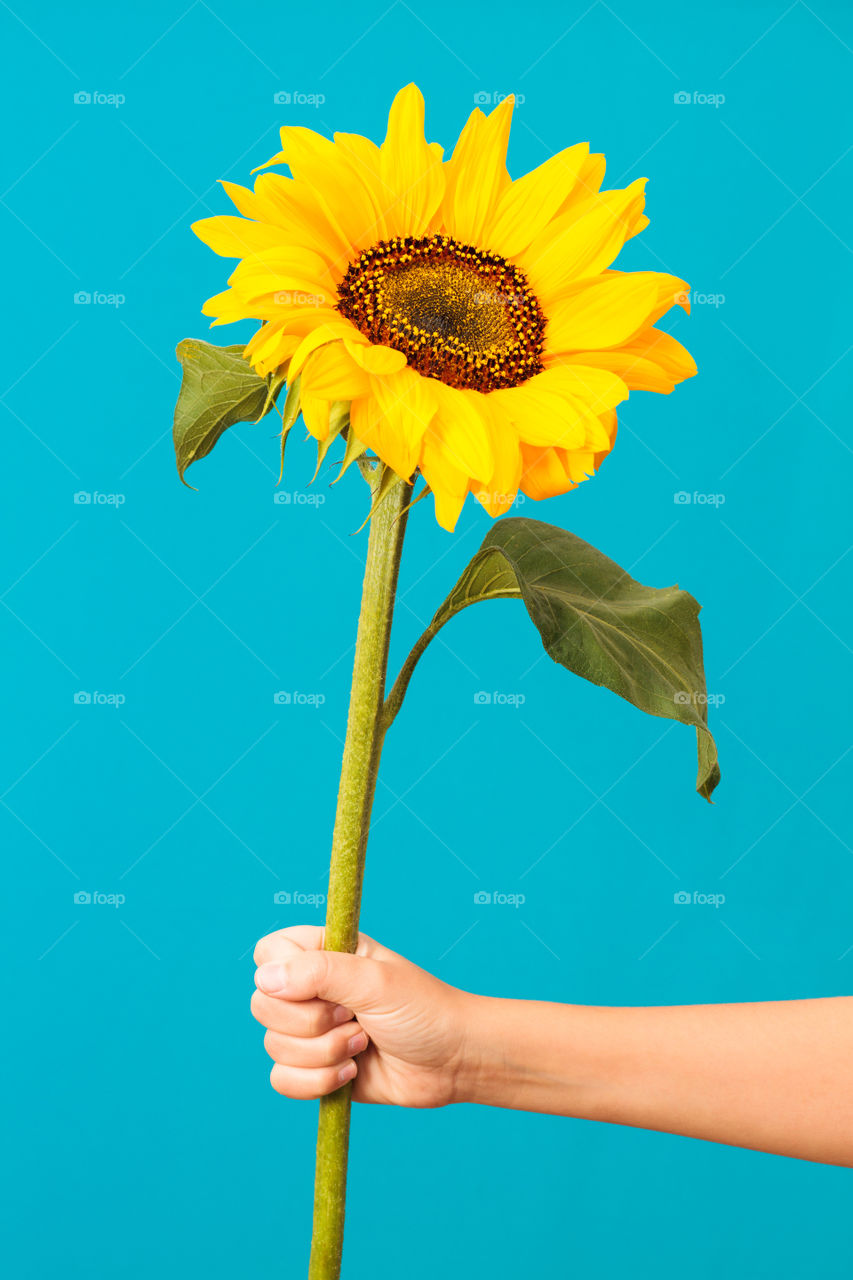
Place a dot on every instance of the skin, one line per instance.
(774, 1076)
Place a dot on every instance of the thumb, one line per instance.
(356, 982)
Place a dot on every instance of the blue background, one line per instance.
(147, 1140)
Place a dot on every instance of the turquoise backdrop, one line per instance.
(148, 629)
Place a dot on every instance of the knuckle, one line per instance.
(256, 1005)
(270, 1043)
(317, 1019)
(261, 949)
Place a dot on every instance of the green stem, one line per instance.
(362, 750)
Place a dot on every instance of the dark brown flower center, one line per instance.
(457, 313)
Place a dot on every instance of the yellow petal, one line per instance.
(325, 168)
(543, 474)
(394, 417)
(603, 312)
(653, 361)
(365, 158)
(296, 209)
(332, 374)
(543, 417)
(476, 173)
(232, 237)
(589, 181)
(583, 241)
(579, 464)
(528, 204)
(245, 201)
(448, 481)
(268, 349)
(502, 488)
(376, 359)
(333, 331)
(600, 389)
(463, 432)
(661, 349)
(315, 415)
(670, 292)
(411, 171)
(609, 424)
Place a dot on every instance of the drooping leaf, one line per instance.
(643, 643)
(219, 388)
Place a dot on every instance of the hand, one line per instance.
(372, 1016)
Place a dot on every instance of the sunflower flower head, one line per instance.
(471, 322)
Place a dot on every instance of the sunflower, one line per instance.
(471, 322)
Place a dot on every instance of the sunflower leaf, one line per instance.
(643, 643)
(219, 388)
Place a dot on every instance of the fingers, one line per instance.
(302, 1018)
(305, 997)
(310, 1068)
(329, 1050)
(355, 982)
(305, 1083)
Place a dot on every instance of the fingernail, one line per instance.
(347, 1072)
(357, 1043)
(271, 978)
(341, 1014)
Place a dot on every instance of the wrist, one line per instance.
(533, 1056)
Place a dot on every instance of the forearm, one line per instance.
(776, 1077)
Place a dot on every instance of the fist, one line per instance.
(374, 1018)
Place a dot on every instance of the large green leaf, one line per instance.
(219, 388)
(643, 643)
